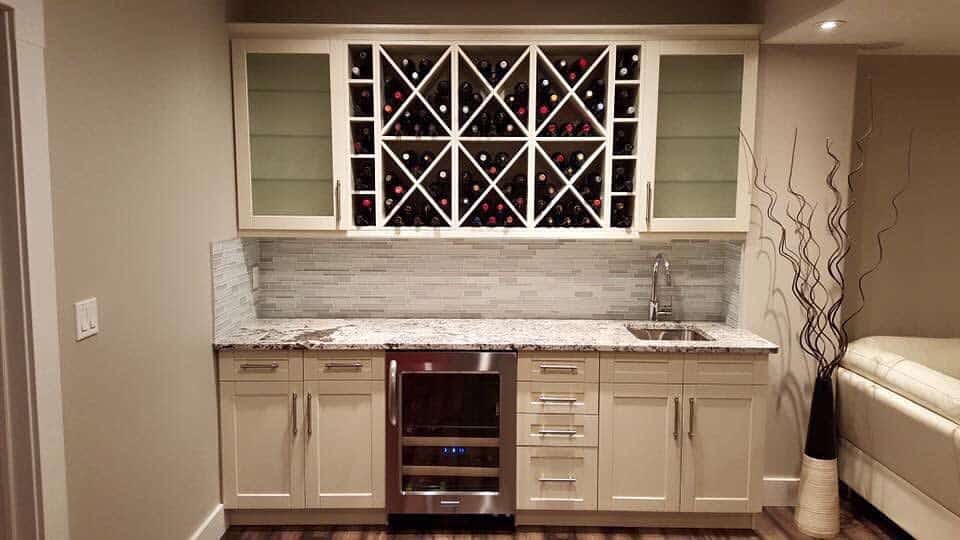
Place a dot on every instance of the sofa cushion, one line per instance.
(923, 370)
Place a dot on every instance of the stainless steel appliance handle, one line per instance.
(564, 367)
(569, 479)
(343, 365)
(676, 418)
(295, 415)
(309, 415)
(557, 399)
(557, 432)
(690, 429)
(271, 366)
(392, 392)
(446, 502)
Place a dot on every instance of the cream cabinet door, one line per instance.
(723, 448)
(262, 445)
(345, 429)
(639, 464)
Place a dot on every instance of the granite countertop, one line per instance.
(481, 334)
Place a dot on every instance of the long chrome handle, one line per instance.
(336, 205)
(649, 201)
(676, 418)
(564, 367)
(690, 428)
(343, 365)
(570, 479)
(295, 415)
(392, 392)
(446, 502)
(271, 366)
(557, 432)
(309, 414)
(557, 399)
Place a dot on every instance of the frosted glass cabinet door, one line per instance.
(286, 140)
(705, 96)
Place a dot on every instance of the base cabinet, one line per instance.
(345, 444)
(290, 443)
(261, 444)
(640, 447)
(723, 448)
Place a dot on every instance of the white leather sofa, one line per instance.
(899, 416)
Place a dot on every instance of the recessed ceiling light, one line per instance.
(830, 25)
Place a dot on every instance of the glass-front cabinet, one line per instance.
(701, 106)
(287, 134)
(609, 135)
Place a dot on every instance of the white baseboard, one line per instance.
(212, 528)
(780, 490)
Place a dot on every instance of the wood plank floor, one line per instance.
(858, 521)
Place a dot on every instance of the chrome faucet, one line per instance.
(656, 312)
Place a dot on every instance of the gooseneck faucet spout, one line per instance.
(657, 312)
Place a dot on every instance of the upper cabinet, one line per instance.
(287, 134)
(597, 134)
(701, 103)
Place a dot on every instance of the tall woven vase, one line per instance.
(818, 509)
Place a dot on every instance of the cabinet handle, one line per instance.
(690, 430)
(295, 415)
(309, 415)
(271, 366)
(392, 392)
(649, 201)
(546, 432)
(561, 367)
(344, 365)
(676, 418)
(557, 399)
(336, 204)
(569, 479)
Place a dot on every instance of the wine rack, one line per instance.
(493, 136)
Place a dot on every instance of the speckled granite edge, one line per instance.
(482, 335)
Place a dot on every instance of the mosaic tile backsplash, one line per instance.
(446, 278)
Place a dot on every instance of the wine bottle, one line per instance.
(501, 159)
(362, 66)
(424, 66)
(558, 158)
(552, 129)
(483, 158)
(426, 158)
(569, 130)
(363, 102)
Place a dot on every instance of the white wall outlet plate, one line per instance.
(87, 318)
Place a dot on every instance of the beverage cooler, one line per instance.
(451, 431)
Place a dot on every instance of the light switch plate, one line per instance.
(87, 318)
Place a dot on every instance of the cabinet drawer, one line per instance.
(558, 367)
(550, 478)
(260, 365)
(641, 368)
(557, 429)
(725, 369)
(343, 365)
(557, 397)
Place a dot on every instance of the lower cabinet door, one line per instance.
(640, 429)
(723, 448)
(262, 445)
(345, 430)
(556, 478)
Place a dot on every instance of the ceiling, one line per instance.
(878, 26)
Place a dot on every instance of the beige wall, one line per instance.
(810, 89)
(142, 172)
(915, 292)
(498, 11)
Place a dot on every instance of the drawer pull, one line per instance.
(548, 432)
(344, 365)
(569, 479)
(271, 366)
(557, 399)
(558, 367)
(446, 502)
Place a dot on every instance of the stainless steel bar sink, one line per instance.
(652, 333)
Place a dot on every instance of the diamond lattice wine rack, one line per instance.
(494, 136)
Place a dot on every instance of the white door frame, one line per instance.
(21, 509)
